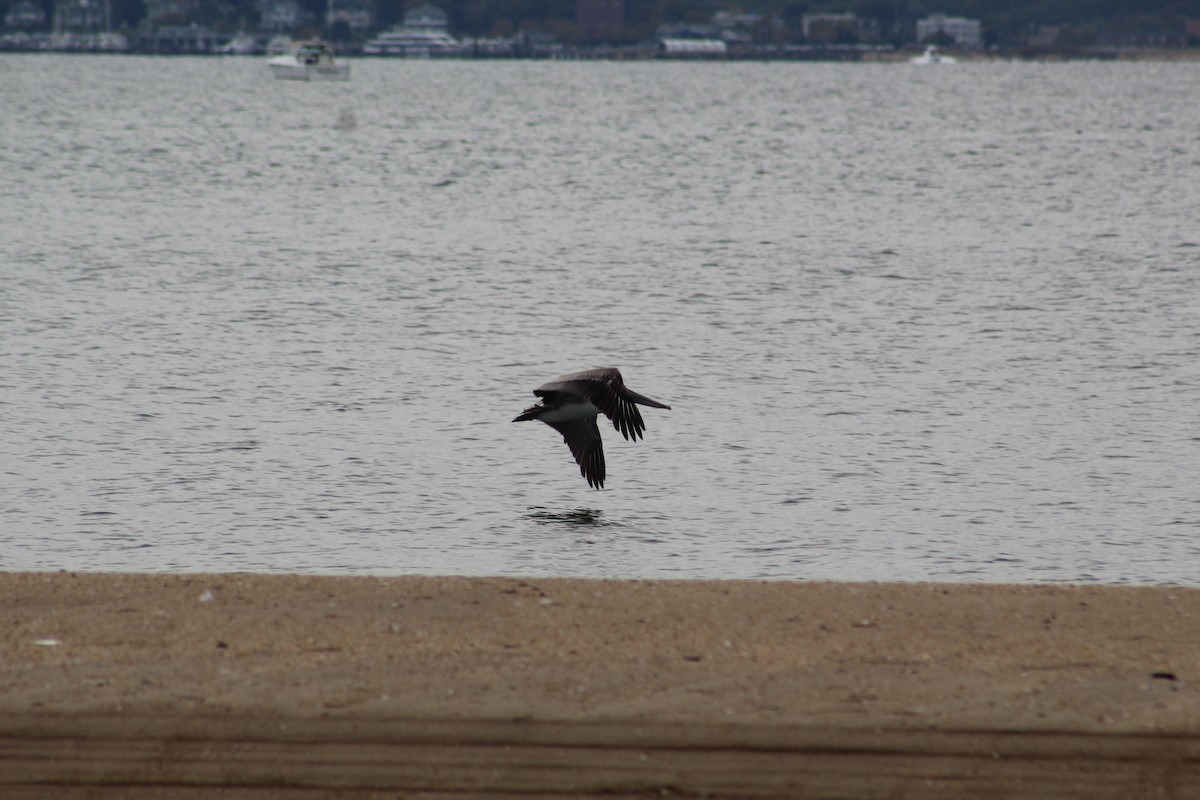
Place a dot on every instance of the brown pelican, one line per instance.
(570, 404)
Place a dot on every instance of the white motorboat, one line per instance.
(280, 46)
(933, 56)
(241, 45)
(309, 61)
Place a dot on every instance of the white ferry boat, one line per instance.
(413, 43)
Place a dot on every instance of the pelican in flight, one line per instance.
(570, 404)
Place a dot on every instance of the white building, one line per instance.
(355, 13)
(426, 17)
(81, 16)
(280, 15)
(965, 32)
(25, 14)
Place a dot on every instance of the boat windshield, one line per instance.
(312, 54)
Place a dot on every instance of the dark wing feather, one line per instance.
(583, 437)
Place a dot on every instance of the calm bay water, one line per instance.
(915, 324)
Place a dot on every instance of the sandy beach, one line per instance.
(259, 686)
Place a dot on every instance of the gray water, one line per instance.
(914, 324)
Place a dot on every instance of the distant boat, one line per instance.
(694, 48)
(241, 45)
(933, 56)
(413, 43)
(309, 61)
(280, 45)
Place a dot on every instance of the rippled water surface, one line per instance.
(914, 324)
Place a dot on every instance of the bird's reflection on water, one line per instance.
(576, 517)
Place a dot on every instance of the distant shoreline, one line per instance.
(649, 53)
(253, 684)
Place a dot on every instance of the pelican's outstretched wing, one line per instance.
(583, 437)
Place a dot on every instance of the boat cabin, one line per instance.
(314, 53)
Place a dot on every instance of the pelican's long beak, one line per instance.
(641, 399)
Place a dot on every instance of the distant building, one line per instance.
(81, 16)
(280, 15)
(426, 17)
(736, 29)
(596, 17)
(184, 39)
(828, 27)
(1044, 37)
(355, 13)
(25, 15)
(838, 28)
(683, 30)
(728, 19)
(965, 32)
(1142, 39)
(169, 12)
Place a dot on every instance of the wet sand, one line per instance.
(239, 686)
